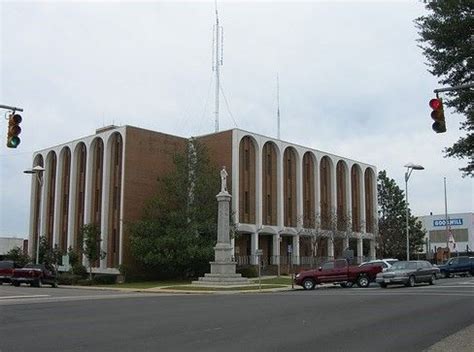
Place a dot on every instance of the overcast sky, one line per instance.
(352, 82)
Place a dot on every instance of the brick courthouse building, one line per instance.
(284, 196)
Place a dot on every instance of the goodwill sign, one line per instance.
(451, 222)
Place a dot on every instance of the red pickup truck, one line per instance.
(35, 275)
(6, 270)
(338, 271)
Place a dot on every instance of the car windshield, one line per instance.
(403, 265)
(392, 261)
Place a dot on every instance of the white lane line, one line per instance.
(24, 296)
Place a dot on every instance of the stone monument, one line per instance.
(223, 267)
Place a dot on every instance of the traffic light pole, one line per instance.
(10, 108)
(455, 88)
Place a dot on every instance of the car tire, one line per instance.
(308, 284)
(363, 281)
(432, 279)
(37, 283)
(54, 284)
(411, 281)
(383, 285)
(15, 283)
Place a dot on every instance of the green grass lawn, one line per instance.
(148, 284)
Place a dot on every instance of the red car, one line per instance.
(6, 270)
(338, 271)
(35, 275)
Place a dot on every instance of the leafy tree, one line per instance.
(49, 256)
(92, 251)
(392, 220)
(17, 255)
(447, 40)
(176, 235)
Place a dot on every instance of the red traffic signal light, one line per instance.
(439, 126)
(14, 130)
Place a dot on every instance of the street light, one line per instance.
(38, 171)
(410, 167)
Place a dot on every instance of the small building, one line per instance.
(283, 194)
(441, 233)
(8, 243)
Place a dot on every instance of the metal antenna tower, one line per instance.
(217, 61)
(278, 107)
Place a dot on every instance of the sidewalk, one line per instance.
(462, 341)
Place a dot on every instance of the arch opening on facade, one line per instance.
(342, 215)
(247, 180)
(325, 171)
(65, 158)
(97, 151)
(113, 240)
(289, 187)
(355, 195)
(309, 210)
(369, 179)
(79, 201)
(269, 184)
(51, 164)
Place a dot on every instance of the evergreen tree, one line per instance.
(49, 256)
(447, 41)
(392, 221)
(17, 255)
(176, 235)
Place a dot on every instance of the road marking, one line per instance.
(24, 296)
(59, 299)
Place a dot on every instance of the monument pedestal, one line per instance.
(223, 268)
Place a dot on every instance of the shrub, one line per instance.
(85, 282)
(68, 279)
(79, 270)
(248, 271)
(104, 279)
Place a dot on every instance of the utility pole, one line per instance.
(12, 108)
(455, 88)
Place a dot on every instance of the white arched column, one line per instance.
(58, 194)
(72, 199)
(104, 219)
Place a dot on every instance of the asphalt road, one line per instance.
(331, 319)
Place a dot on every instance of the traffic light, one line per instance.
(14, 130)
(439, 126)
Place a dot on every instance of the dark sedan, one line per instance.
(408, 273)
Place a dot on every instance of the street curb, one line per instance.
(287, 288)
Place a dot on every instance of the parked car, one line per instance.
(384, 263)
(338, 271)
(35, 275)
(457, 265)
(408, 273)
(6, 270)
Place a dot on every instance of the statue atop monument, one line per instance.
(224, 175)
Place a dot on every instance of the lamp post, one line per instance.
(38, 171)
(410, 167)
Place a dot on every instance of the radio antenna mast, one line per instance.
(278, 107)
(217, 61)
